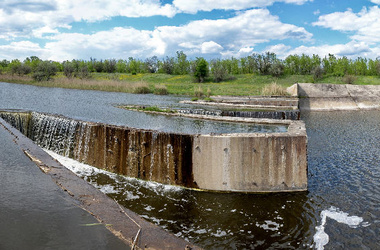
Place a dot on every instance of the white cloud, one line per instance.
(233, 36)
(281, 50)
(116, 43)
(20, 50)
(365, 24)
(193, 6)
(211, 47)
(375, 1)
(244, 30)
(29, 18)
(352, 50)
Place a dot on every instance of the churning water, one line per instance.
(340, 211)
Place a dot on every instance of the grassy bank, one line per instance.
(247, 84)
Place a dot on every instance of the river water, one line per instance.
(340, 211)
(97, 106)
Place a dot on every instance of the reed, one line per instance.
(273, 89)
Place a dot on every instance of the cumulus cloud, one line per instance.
(194, 6)
(211, 47)
(375, 1)
(352, 50)
(115, 43)
(28, 18)
(235, 36)
(244, 30)
(19, 50)
(365, 25)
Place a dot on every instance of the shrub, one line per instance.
(273, 89)
(142, 88)
(219, 71)
(349, 79)
(208, 99)
(45, 70)
(198, 92)
(68, 69)
(317, 73)
(160, 90)
(83, 72)
(208, 94)
(276, 69)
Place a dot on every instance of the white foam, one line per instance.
(321, 238)
(270, 225)
(82, 169)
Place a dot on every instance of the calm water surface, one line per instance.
(341, 210)
(98, 106)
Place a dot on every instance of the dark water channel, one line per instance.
(341, 210)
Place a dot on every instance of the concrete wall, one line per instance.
(324, 97)
(254, 162)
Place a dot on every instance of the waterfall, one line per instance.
(280, 115)
(148, 155)
(54, 133)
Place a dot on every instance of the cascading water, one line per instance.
(55, 133)
(279, 115)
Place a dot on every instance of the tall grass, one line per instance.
(273, 89)
(160, 90)
(141, 88)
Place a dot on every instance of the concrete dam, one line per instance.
(245, 162)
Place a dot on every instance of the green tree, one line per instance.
(167, 66)
(181, 66)
(151, 64)
(121, 66)
(218, 70)
(44, 71)
(200, 69)
(109, 66)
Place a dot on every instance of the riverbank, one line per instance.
(238, 85)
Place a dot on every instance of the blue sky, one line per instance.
(102, 29)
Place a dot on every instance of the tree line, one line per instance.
(217, 69)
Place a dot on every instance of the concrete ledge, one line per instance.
(127, 225)
(325, 97)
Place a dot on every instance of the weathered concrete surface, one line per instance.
(252, 162)
(255, 102)
(324, 97)
(122, 222)
(235, 162)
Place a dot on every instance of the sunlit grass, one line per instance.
(246, 84)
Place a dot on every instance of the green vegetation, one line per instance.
(149, 109)
(200, 78)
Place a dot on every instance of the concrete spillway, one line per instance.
(256, 162)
